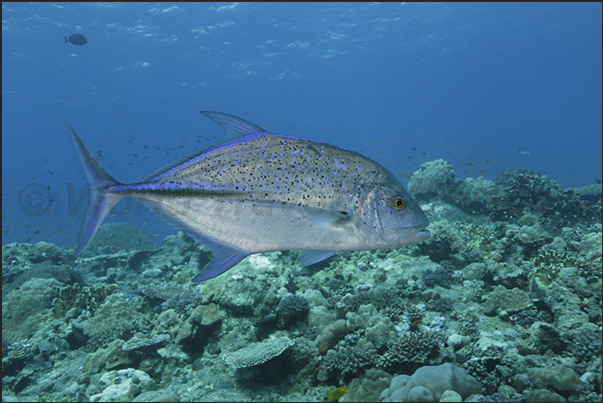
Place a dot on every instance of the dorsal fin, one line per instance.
(234, 128)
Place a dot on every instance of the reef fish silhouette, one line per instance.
(76, 39)
(260, 192)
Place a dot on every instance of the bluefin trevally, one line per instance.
(76, 39)
(261, 192)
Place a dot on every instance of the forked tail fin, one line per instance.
(101, 201)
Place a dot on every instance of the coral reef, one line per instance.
(503, 303)
(122, 385)
(411, 350)
(346, 362)
(291, 309)
(558, 377)
(257, 353)
(367, 387)
(119, 317)
(81, 298)
(26, 308)
(429, 383)
(184, 303)
(146, 343)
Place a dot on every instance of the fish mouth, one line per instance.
(422, 235)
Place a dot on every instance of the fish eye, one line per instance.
(397, 203)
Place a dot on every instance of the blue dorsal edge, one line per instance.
(234, 129)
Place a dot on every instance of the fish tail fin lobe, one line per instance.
(100, 201)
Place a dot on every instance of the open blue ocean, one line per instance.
(484, 87)
(490, 114)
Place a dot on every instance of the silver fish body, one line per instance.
(261, 192)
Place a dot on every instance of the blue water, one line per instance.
(484, 86)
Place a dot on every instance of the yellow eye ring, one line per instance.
(397, 203)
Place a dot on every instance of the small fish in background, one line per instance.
(263, 192)
(76, 39)
(338, 393)
(525, 153)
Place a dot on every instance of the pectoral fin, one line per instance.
(322, 217)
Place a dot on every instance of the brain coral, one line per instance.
(428, 384)
(513, 300)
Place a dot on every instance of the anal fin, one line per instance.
(314, 256)
(223, 259)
